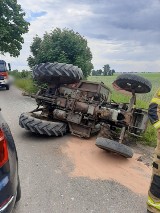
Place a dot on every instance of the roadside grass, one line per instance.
(143, 100)
(26, 84)
(149, 137)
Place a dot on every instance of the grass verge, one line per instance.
(149, 137)
(26, 85)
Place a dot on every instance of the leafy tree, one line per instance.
(99, 72)
(106, 69)
(36, 45)
(63, 46)
(110, 73)
(12, 27)
(94, 73)
(34, 49)
(113, 71)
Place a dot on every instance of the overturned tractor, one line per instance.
(84, 108)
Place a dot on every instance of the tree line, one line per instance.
(107, 71)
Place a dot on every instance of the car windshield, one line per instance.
(3, 68)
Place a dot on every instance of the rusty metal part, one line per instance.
(68, 92)
(110, 114)
(123, 130)
(40, 97)
(45, 113)
(139, 122)
(81, 107)
(91, 110)
(92, 86)
(105, 131)
(61, 102)
(80, 130)
(74, 117)
(70, 104)
(59, 114)
(127, 117)
(96, 129)
(132, 102)
(104, 113)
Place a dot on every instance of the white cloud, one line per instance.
(122, 34)
(125, 56)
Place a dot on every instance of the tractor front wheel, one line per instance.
(113, 146)
(133, 83)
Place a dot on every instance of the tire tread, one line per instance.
(123, 79)
(53, 72)
(107, 144)
(42, 127)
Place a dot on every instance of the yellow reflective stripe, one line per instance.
(157, 125)
(150, 202)
(156, 101)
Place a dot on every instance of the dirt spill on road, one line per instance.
(90, 161)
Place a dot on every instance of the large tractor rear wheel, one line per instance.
(57, 73)
(42, 126)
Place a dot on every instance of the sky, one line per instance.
(122, 33)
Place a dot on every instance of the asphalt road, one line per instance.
(46, 184)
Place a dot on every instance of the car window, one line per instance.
(3, 68)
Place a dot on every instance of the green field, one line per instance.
(143, 100)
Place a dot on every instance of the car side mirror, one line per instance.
(9, 66)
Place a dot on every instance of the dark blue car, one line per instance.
(10, 190)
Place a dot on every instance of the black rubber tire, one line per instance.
(18, 197)
(7, 87)
(57, 73)
(131, 82)
(110, 145)
(40, 126)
